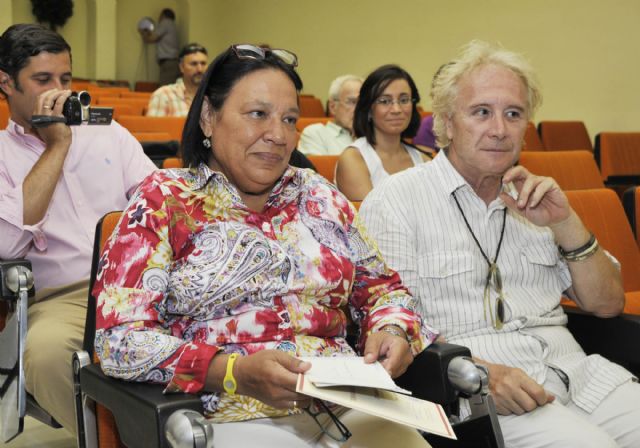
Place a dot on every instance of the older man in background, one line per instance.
(174, 100)
(336, 135)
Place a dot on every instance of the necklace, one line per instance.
(493, 276)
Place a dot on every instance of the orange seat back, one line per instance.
(303, 122)
(172, 162)
(631, 202)
(146, 86)
(171, 125)
(618, 154)
(105, 422)
(573, 170)
(326, 165)
(138, 106)
(310, 106)
(532, 140)
(138, 95)
(152, 136)
(601, 212)
(4, 114)
(564, 135)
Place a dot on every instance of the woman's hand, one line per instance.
(393, 352)
(270, 376)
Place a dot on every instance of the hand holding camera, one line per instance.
(75, 110)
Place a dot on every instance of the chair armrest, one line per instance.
(5, 265)
(427, 376)
(613, 338)
(138, 408)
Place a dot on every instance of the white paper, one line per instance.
(411, 411)
(350, 371)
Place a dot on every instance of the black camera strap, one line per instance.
(41, 121)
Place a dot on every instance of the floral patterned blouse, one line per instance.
(190, 271)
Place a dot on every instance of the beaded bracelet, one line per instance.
(581, 253)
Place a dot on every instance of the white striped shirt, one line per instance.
(422, 235)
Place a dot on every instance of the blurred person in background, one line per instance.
(174, 100)
(333, 137)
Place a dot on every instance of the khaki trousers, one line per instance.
(55, 331)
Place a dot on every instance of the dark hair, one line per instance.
(371, 89)
(223, 73)
(190, 49)
(22, 41)
(168, 13)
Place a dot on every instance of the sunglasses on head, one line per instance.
(248, 51)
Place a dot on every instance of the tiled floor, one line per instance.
(37, 435)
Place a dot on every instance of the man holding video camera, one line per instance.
(56, 181)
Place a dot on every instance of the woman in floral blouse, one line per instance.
(219, 275)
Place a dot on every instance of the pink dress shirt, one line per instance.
(104, 165)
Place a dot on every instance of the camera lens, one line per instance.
(85, 98)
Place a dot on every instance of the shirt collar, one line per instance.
(336, 128)
(17, 131)
(451, 180)
(286, 186)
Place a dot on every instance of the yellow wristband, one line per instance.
(229, 383)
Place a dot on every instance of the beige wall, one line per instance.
(585, 51)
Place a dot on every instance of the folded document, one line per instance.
(349, 382)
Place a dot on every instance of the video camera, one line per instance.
(76, 110)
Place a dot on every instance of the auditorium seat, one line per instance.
(138, 105)
(172, 162)
(4, 114)
(146, 86)
(573, 170)
(618, 155)
(310, 106)
(303, 122)
(564, 135)
(120, 110)
(326, 165)
(172, 125)
(532, 140)
(631, 202)
(139, 95)
(602, 213)
(152, 136)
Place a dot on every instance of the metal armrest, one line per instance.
(16, 286)
(445, 372)
(140, 410)
(612, 338)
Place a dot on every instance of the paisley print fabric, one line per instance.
(190, 271)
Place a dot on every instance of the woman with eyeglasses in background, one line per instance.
(221, 274)
(385, 115)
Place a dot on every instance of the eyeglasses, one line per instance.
(494, 279)
(351, 102)
(248, 51)
(386, 101)
(336, 430)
